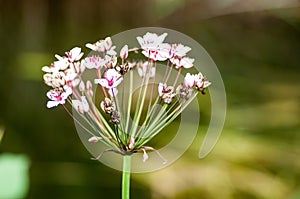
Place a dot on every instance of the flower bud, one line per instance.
(93, 139)
(124, 52)
(81, 86)
(89, 85)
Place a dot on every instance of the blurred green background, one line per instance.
(256, 46)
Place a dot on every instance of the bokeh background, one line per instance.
(256, 46)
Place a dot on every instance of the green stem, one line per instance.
(126, 177)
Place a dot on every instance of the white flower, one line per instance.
(124, 52)
(179, 50)
(74, 54)
(200, 82)
(189, 80)
(153, 46)
(95, 62)
(142, 69)
(58, 96)
(55, 79)
(62, 63)
(82, 105)
(197, 80)
(111, 79)
(166, 92)
(103, 46)
(184, 62)
(151, 39)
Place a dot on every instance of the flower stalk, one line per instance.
(126, 177)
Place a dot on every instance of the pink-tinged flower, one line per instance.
(124, 52)
(200, 82)
(153, 46)
(184, 62)
(145, 155)
(143, 68)
(70, 74)
(55, 79)
(95, 62)
(58, 96)
(111, 79)
(82, 105)
(166, 92)
(103, 46)
(74, 54)
(179, 50)
(189, 80)
(151, 39)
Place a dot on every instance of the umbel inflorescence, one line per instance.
(124, 125)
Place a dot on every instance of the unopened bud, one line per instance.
(81, 86)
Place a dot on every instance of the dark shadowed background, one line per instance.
(256, 46)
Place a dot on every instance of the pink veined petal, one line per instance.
(51, 94)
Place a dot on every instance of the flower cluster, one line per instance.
(125, 133)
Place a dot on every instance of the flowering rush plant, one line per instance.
(121, 121)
